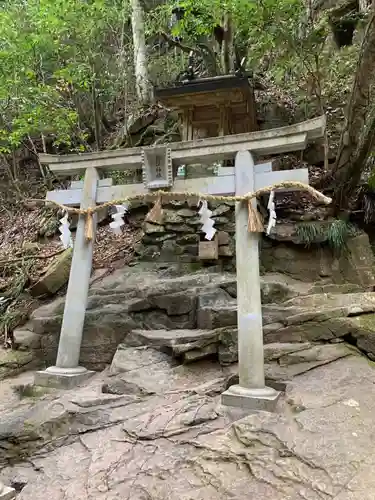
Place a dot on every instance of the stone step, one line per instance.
(295, 311)
(169, 338)
(189, 345)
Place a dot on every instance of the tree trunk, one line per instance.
(227, 48)
(142, 82)
(357, 135)
(364, 5)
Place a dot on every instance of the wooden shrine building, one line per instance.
(212, 107)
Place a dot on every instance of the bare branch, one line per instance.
(179, 45)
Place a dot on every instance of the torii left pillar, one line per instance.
(67, 373)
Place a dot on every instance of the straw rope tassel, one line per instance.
(156, 213)
(89, 225)
(255, 223)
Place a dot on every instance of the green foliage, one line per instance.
(309, 233)
(67, 69)
(338, 234)
(334, 233)
(56, 59)
(294, 51)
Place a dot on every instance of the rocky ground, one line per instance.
(150, 424)
(148, 428)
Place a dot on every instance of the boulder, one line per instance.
(127, 358)
(25, 339)
(55, 277)
(13, 362)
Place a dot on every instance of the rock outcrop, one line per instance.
(13, 362)
(55, 277)
(194, 315)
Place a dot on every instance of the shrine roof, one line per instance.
(204, 88)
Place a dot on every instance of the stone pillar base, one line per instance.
(62, 378)
(251, 399)
(7, 493)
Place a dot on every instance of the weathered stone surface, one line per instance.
(285, 253)
(25, 428)
(319, 354)
(220, 210)
(25, 339)
(223, 238)
(200, 353)
(6, 492)
(13, 362)
(221, 220)
(167, 338)
(167, 422)
(55, 277)
(127, 359)
(317, 263)
(172, 217)
(289, 232)
(152, 297)
(176, 441)
(171, 248)
(121, 387)
(150, 228)
(362, 329)
(217, 316)
(186, 212)
(158, 319)
(148, 298)
(275, 351)
(226, 251)
(228, 346)
(188, 239)
(176, 304)
(157, 238)
(178, 228)
(147, 253)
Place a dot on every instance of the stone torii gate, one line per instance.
(157, 164)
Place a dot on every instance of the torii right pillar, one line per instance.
(251, 393)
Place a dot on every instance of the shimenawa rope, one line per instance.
(255, 223)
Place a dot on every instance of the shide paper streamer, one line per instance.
(207, 223)
(271, 209)
(66, 235)
(118, 218)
